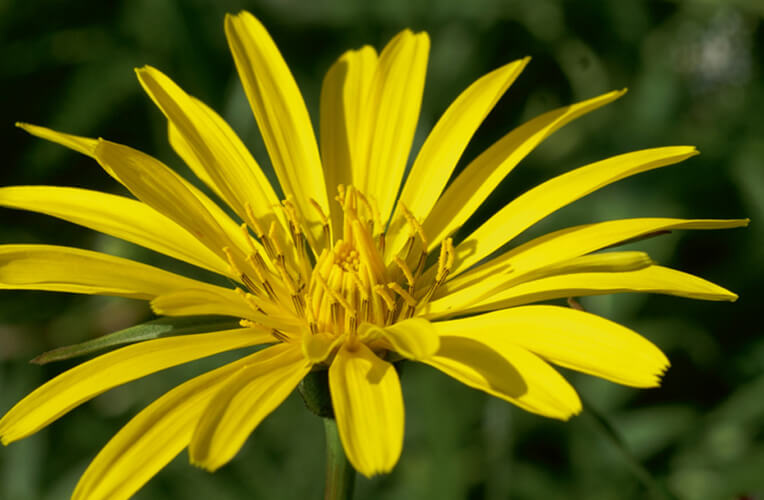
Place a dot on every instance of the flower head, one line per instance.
(349, 272)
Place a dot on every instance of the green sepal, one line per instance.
(314, 389)
(163, 327)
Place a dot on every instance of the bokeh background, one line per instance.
(694, 73)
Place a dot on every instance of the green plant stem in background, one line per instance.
(340, 475)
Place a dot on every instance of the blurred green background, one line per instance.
(694, 70)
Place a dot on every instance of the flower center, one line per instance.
(349, 282)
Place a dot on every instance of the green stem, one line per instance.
(340, 475)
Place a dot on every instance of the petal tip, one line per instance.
(203, 464)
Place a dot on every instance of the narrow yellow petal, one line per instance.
(560, 246)
(444, 146)
(220, 301)
(151, 439)
(117, 216)
(506, 371)
(473, 185)
(65, 269)
(413, 338)
(89, 148)
(501, 286)
(362, 66)
(570, 338)
(391, 117)
(83, 382)
(281, 115)
(243, 402)
(82, 145)
(368, 406)
(544, 199)
(210, 146)
(164, 190)
(653, 279)
(597, 262)
(343, 100)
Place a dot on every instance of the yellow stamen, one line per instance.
(405, 270)
(415, 226)
(385, 295)
(403, 293)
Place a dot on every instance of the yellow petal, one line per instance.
(653, 279)
(117, 216)
(151, 439)
(362, 66)
(83, 382)
(243, 402)
(503, 285)
(318, 347)
(597, 262)
(88, 147)
(343, 100)
(544, 199)
(506, 371)
(444, 146)
(82, 145)
(65, 269)
(164, 190)
(413, 338)
(212, 149)
(391, 117)
(281, 115)
(473, 185)
(368, 406)
(560, 246)
(570, 338)
(219, 301)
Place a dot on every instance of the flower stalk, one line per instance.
(340, 475)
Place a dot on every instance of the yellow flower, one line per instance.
(343, 274)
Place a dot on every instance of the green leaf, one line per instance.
(163, 327)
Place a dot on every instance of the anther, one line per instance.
(445, 260)
(250, 299)
(231, 262)
(253, 220)
(311, 320)
(385, 295)
(279, 335)
(415, 226)
(325, 227)
(335, 296)
(403, 293)
(248, 237)
(406, 270)
(273, 238)
(259, 266)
